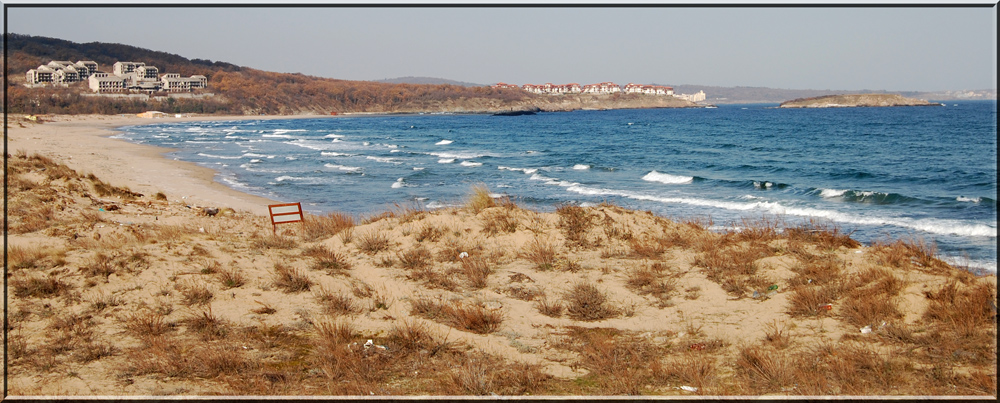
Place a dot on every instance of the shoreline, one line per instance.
(85, 143)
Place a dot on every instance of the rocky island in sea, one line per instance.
(855, 100)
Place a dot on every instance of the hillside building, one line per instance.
(126, 77)
(60, 72)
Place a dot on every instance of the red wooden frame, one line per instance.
(284, 214)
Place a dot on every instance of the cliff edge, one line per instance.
(854, 100)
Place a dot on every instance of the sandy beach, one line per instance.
(115, 294)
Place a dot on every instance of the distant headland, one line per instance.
(856, 100)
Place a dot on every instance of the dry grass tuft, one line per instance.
(35, 287)
(542, 253)
(145, 324)
(373, 241)
(654, 281)
(194, 293)
(209, 326)
(476, 270)
(575, 222)
(232, 277)
(317, 227)
(474, 317)
(585, 302)
(335, 303)
(327, 260)
(499, 221)
(291, 279)
(480, 199)
(415, 259)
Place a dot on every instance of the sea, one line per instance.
(923, 174)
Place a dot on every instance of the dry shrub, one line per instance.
(103, 301)
(542, 253)
(145, 324)
(498, 221)
(194, 294)
(696, 370)
(415, 259)
(34, 257)
(966, 310)
(585, 302)
(548, 308)
(273, 242)
(35, 287)
(291, 279)
(92, 350)
(648, 247)
(476, 270)
(429, 232)
(761, 230)
(373, 241)
(327, 260)
(906, 254)
(777, 334)
(857, 370)
(618, 362)
(232, 278)
(316, 227)
(480, 199)
(869, 310)
(474, 317)
(823, 235)
(817, 271)
(335, 303)
(209, 326)
(653, 281)
(483, 375)
(575, 222)
(734, 268)
(764, 370)
(808, 300)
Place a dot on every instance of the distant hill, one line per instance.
(427, 80)
(746, 95)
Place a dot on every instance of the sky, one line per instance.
(837, 48)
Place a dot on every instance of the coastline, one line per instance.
(85, 143)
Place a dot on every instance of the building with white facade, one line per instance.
(173, 82)
(106, 83)
(127, 77)
(60, 72)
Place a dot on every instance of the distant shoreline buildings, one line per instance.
(126, 77)
(601, 88)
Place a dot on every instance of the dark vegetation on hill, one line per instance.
(238, 90)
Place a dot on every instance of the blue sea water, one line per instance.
(917, 173)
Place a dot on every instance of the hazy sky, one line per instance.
(907, 48)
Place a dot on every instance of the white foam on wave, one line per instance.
(255, 160)
(458, 155)
(418, 168)
(255, 155)
(471, 164)
(552, 181)
(384, 160)
(443, 142)
(969, 200)
(283, 131)
(527, 171)
(446, 160)
(312, 145)
(395, 151)
(333, 136)
(277, 136)
(668, 179)
(830, 193)
(931, 225)
(398, 183)
(335, 154)
(581, 167)
(223, 157)
(343, 167)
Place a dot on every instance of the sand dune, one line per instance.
(115, 293)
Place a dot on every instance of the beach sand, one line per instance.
(114, 296)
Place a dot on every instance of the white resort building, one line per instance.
(126, 77)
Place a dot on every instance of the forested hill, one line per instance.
(236, 89)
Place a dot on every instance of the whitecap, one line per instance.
(278, 136)
(343, 167)
(471, 164)
(224, 157)
(383, 159)
(446, 160)
(443, 143)
(333, 136)
(255, 160)
(527, 171)
(458, 155)
(829, 193)
(581, 167)
(968, 199)
(335, 154)
(667, 178)
(398, 183)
